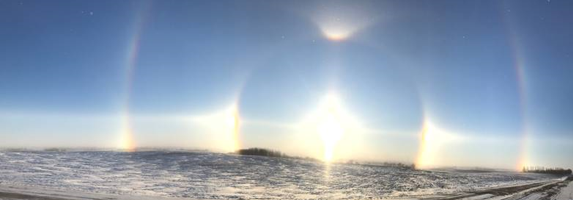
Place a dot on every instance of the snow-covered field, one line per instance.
(202, 175)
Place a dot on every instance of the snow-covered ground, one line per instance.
(566, 193)
(202, 175)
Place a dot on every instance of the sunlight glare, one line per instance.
(127, 142)
(330, 132)
(331, 124)
(223, 128)
(431, 141)
(335, 33)
(340, 23)
(336, 30)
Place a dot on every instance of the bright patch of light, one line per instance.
(523, 157)
(432, 139)
(336, 31)
(127, 142)
(329, 127)
(340, 23)
(333, 125)
(222, 127)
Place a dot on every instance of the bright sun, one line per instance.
(330, 132)
(329, 127)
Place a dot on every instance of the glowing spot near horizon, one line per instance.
(329, 132)
(329, 127)
(432, 139)
(127, 142)
(523, 159)
(223, 127)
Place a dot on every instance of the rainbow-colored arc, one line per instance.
(520, 76)
(519, 67)
(127, 142)
(425, 159)
(521, 80)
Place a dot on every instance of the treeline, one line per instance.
(400, 165)
(384, 164)
(261, 152)
(545, 170)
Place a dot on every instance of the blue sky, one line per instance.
(491, 72)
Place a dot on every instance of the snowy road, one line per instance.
(545, 190)
(566, 193)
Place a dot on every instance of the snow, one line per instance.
(203, 175)
(566, 193)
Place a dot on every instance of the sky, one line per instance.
(436, 83)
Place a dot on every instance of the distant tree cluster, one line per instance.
(261, 152)
(384, 164)
(545, 170)
(55, 149)
(400, 165)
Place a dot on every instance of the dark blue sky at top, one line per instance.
(451, 60)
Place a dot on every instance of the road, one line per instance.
(566, 193)
(546, 190)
